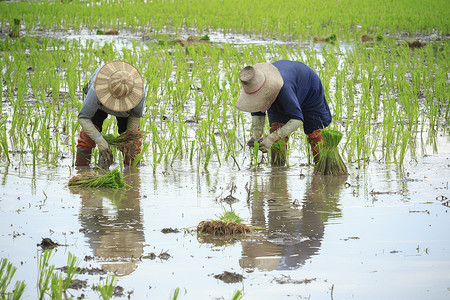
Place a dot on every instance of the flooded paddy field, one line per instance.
(378, 233)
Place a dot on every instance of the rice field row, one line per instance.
(281, 20)
(388, 100)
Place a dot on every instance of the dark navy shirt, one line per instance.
(302, 97)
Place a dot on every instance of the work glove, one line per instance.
(133, 123)
(265, 143)
(105, 158)
(257, 129)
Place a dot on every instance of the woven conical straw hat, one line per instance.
(261, 84)
(119, 86)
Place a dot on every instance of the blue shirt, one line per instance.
(91, 104)
(301, 97)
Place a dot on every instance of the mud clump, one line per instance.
(230, 199)
(82, 271)
(108, 32)
(330, 39)
(229, 277)
(48, 244)
(416, 44)
(219, 227)
(169, 230)
(164, 255)
(77, 284)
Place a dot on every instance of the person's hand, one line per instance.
(105, 158)
(265, 143)
(251, 142)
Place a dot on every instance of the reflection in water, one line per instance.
(292, 232)
(111, 220)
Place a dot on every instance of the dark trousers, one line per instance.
(100, 117)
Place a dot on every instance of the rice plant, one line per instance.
(106, 287)
(7, 271)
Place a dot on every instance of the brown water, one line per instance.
(379, 233)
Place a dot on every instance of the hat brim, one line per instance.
(101, 86)
(264, 98)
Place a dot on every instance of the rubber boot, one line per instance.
(279, 148)
(83, 157)
(84, 149)
(314, 139)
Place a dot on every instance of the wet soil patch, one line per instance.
(48, 244)
(230, 199)
(164, 255)
(416, 44)
(88, 271)
(77, 284)
(169, 230)
(108, 32)
(229, 277)
(119, 291)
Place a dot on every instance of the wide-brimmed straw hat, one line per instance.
(261, 84)
(119, 86)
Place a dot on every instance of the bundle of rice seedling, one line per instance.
(219, 227)
(128, 136)
(228, 224)
(278, 153)
(127, 142)
(112, 179)
(330, 161)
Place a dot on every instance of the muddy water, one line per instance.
(379, 233)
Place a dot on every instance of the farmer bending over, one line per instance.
(292, 94)
(115, 88)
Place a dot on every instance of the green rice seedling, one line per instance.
(72, 270)
(330, 161)
(138, 158)
(4, 144)
(106, 288)
(112, 179)
(125, 142)
(278, 153)
(176, 292)
(15, 29)
(56, 286)
(52, 283)
(208, 154)
(7, 271)
(45, 272)
(230, 216)
(238, 295)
